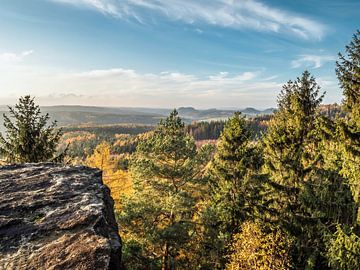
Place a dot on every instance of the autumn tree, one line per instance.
(115, 178)
(101, 158)
(167, 171)
(28, 136)
(259, 248)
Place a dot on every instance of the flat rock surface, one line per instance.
(56, 217)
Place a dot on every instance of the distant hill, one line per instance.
(92, 116)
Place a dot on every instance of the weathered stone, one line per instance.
(56, 217)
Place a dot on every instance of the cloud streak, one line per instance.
(127, 87)
(12, 57)
(312, 60)
(235, 14)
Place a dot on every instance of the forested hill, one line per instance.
(88, 115)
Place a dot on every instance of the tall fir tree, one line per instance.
(344, 247)
(30, 138)
(233, 192)
(160, 217)
(301, 189)
(348, 72)
(234, 173)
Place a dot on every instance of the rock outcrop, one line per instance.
(56, 217)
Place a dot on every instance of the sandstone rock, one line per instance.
(56, 217)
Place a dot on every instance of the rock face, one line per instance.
(56, 217)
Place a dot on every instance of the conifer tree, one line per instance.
(348, 72)
(291, 152)
(29, 137)
(233, 172)
(234, 190)
(166, 169)
(344, 246)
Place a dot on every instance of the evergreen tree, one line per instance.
(348, 73)
(344, 246)
(160, 216)
(29, 138)
(234, 171)
(301, 192)
(234, 188)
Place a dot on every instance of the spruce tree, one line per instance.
(29, 137)
(293, 159)
(160, 216)
(233, 172)
(344, 246)
(348, 72)
(234, 189)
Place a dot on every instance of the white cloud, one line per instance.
(235, 14)
(126, 87)
(311, 60)
(11, 57)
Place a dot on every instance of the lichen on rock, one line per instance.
(56, 217)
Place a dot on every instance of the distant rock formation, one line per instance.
(56, 217)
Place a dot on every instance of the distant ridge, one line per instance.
(72, 115)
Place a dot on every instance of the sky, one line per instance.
(169, 53)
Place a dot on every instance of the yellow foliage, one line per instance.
(255, 249)
(120, 184)
(101, 158)
(117, 180)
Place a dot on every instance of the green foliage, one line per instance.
(29, 138)
(233, 171)
(344, 245)
(344, 250)
(305, 196)
(205, 130)
(348, 73)
(167, 172)
(234, 189)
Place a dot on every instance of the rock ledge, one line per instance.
(56, 217)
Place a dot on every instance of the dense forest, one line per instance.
(276, 191)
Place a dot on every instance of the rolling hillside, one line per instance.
(93, 116)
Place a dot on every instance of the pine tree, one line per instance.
(166, 170)
(29, 138)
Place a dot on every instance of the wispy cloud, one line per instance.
(12, 57)
(127, 87)
(311, 60)
(236, 14)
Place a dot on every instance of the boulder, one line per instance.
(56, 217)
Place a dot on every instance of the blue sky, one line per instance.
(157, 53)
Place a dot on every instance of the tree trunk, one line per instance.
(165, 263)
